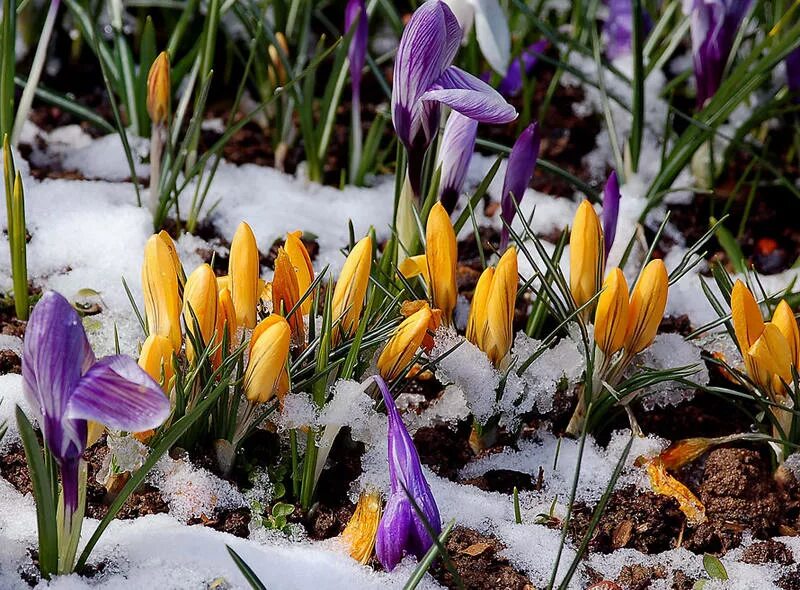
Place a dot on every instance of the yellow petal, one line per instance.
(585, 254)
(301, 261)
(684, 451)
(784, 319)
(404, 344)
(162, 304)
(415, 266)
(441, 254)
(158, 89)
(226, 317)
(647, 304)
(243, 271)
(173, 252)
(666, 485)
(286, 294)
(351, 288)
(611, 315)
(748, 324)
(770, 360)
(200, 299)
(499, 333)
(269, 352)
(156, 360)
(361, 530)
(476, 324)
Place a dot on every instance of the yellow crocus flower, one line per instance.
(200, 299)
(441, 257)
(301, 261)
(269, 353)
(243, 271)
(162, 303)
(585, 254)
(647, 304)
(351, 288)
(611, 315)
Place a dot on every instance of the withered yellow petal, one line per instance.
(666, 485)
(748, 323)
(362, 529)
(611, 315)
(243, 271)
(441, 252)
(162, 304)
(647, 304)
(585, 254)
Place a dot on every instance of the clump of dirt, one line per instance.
(739, 494)
(443, 449)
(769, 551)
(505, 480)
(644, 521)
(640, 577)
(235, 522)
(10, 362)
(475, 558)
(14, 469)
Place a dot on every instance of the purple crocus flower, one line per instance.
(401, 530)
(68, 386)
(511, 84)
(793, 72)
(714, 27)
(519, 171)
(455, 153)
(424, 77)
(357, 52)
(611, 197)
(618, 28)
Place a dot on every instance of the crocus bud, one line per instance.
(404, 344)
(748, 323)
(357, 52)
(498, 335)
(784, 320)
(511, 84)
(158, 89)
(647, 304)
(286, 295)
(226, 317)
(585, 254)
(200, 298)
(162, 304)
(611, 315)
(361, 530)
(302, 265)
(455, 154)
(519, 171)
(611, 197)
(770, 360)
(266, 365)
(243, 270)
(441, 255)
(402, 530)
(276, 70)
(173, 252)
(156, 359)
(351, 288)
(476, 323)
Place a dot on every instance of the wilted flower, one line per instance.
(647, 304)
(402, 529)
(298, 255)
(611, 315)
(441, 256)
(519, 171)
(455, 154)
(158, 89)
(405, 342)
(162, 303)
(357, 52)
(156, 359)
(68, 387)
(424, 77)
(611, 197)
(243, 271)
(491, 29)
(200, 299)
(586, 260)
(361, 530)
(268, 355)
(714, 27)
(351, 288)
(286, 295)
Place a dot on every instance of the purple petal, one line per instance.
(395, 531)
(428, 46)
(511, 85)
(714, 26)
(519, 171)
(793, 72)
(471, 97)
(458, 144)
(56, 353)
(357, 52)
(118, 393)
(611, 196)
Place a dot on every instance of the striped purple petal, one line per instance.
(455, 153)
(356, 10)
(611, 197)
(519, 171)
(471, 97)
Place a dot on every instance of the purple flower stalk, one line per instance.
(793, 72)
(455, 153)
(424, 78)
(64, 381)
(714, 27)
(401, 529)
(519, 171)
(511, 84)
(356, 10)
(611, 197)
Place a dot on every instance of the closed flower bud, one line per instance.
(277, 73)
(162, 304)
(611, 315)
(302, 265)
(770, 360)
(243, 271)
(785, 321)
(226, 317)
(286, 294)
(647, 304)
(360, 532)
(585, 254)
(404, 344)
(173, 252)
(156, 359)
(266, 366)
(158, 89)
(200, 297)
(499, 333)
(748, 324)
(441, 255)
(476, 323)
(351, 288)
